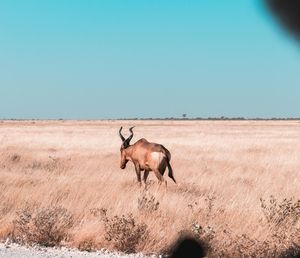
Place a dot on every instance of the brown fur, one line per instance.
(147, 157)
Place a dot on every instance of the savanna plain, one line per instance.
(237, 187)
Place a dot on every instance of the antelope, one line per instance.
(145, 156)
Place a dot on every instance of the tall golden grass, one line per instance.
(223, 168)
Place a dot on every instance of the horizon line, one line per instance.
(222, 118)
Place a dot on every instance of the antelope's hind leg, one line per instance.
(160, 178)
(162, 169)
(146, 174)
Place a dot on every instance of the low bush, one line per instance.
(282, 213)
(86, 244)
(147, 203)
(42, 226)
(124, 231)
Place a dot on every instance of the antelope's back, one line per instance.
(153, 147)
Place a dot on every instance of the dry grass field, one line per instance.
(238, 186)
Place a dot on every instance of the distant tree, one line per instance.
(183, 116)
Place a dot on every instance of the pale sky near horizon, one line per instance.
(145, 58)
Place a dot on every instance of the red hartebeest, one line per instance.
(146, 156)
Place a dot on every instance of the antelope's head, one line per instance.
(124, 146)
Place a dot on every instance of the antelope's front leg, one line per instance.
(138, 173)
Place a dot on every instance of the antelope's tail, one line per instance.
(170, 174)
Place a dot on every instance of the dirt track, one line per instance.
(16, 251)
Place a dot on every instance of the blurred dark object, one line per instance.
(288, 13)
(292, 252)
(188, 247)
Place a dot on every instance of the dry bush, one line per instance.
(282, 217)
(124, 231)
(206, 234)
(147, 203)
(242, 246)
(42, 226)
(224, 243)
(86, 244)
(281, 214)
(247, 246)
(99, 213)
(204, 208)
(280, 222)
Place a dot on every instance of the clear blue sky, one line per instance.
(145, 58)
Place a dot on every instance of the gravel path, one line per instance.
(17, 251)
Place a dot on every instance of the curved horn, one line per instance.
(127, 141)
(130, 137)
(121, 136)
